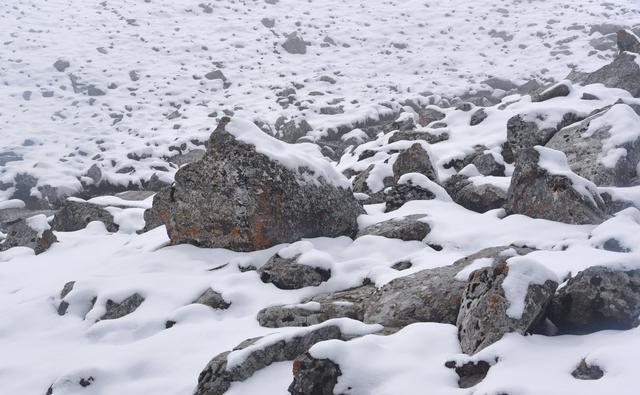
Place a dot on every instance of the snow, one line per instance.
(463, 275)
(305, 156)
(523, 272)
(13, 203)
(623, 126)
(39, 223)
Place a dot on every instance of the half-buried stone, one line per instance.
(75, 215)
(251, 191)
(285, 272)
(33, 232)
(403, 228)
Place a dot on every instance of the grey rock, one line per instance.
(61, 65)
(429, 115)
(500, 83)
(127, 306)
(77, 215)
(288, 274)
(10, 216)
(478, 198)
(134, 76)
(585, 371)
(268, 22)
(191, 156)
(477, 117)
(414, 160)
(63, 306)
(584, 151)
(470, 373)
(20, 234)
(487, 165)
(400, 194)
(483, 318)
(240, 199)
(524, 131)
(9, 156)
(313, 376)
(294, 44)
(216, 378)
(623, 73)
(597, 298)
(349, 304)
(538, 194)
(405, 228)
(94, 173)
(558, 90)
(627, 41)
(290, 130)
(360, 185)
(212, 299)
(413, 135)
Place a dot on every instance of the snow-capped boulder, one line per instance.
(290, 130)
(503, 298)
(33, 232)
(413, 186)
(252, 191)
(312, 311)
(623, 73)
(543, 186)
(535, 128)
(598, 298)
(604, 148)
(404, 228)
(314, 376)
(254, 354)
(475, 197)
(76, 215)
(288, 273)
(477, 117)
(489, 164)
(414, 160)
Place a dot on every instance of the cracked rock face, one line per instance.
(597, 298)
(240, 199)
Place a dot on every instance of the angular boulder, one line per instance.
(597, 298)
(530, 129)
(622, 73)
(414, 160)
(627, 41)
(404, 228)
(312, 376)
(543, 186)
(478, 198)
(75, 215)
(251, 191)
(604, 148)
(33, 232)
(212, 299)
(287, 273)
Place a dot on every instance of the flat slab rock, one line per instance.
(404, 228)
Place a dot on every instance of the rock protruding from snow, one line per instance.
(478, 198)
(33, 232)
(543, 186)
(252, 191)
(500, 299)
(75, 215)
(212, 299)
(414, 160)
(294, 44)
(312, 376)
(604, 148)
(598, 298)
(287, 273)
(127, 306)
(627, 41)
(531, 129)
(558, 90)
(404, 228)
(254, 354)
(312, 311)
(622, 73)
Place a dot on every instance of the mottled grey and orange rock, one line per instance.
(27, 233)
(312, 376)
(245, 198)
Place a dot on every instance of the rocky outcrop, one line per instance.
(75, 215)
(430, 137)
(251, 192)
(287, 273)
(597, 298)
(551, 191)
(33, 232)
(405, 228)
(313, 376)
(484, 315)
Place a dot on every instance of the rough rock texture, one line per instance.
(76, 215)
(349, 304)
(483, 318)
(313, 376)
(20, 234)
(212, 299)
(360, 185)
(431, 295)
(558, 90)
(406, 228)
(477, 117)
(487, 165)
(290, 130)
(585, 371)
(537, 193)
(413, 135)
(414, 160)
(286, 273)
(597, 298)
(399, 194)
(584, 151)
(429, 115)
(623, 73)
(216, 379)
(478, 198)
(127, 306)
(627, 41)
(470, 373)
(240, 199)
(524, 130)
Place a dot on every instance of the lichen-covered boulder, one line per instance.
(543, 186)
(597, 298)
(252, 191)
(604, 148)
(33, 232)
(75, 215)
(312, 376)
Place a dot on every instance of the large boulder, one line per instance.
(597, 298)
(623, 73)
(414, 160)
(252, 191)
(288, 273)
(76, 215)
(543, 186)
(475, 197)
(33, 232)
(604, 148)
(503, 298)
(535, 128)
(403, 228)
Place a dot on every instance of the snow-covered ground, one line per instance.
(375, 53)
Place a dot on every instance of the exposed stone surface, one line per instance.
(313, 376)
(290, 130)
(597, 298)
(478, 198)
(63, 306)
(212, 299)
(627, 41)
(623, 73)
(286, 273)
(585, 371)
(539, 194)
(216, 378)
(399, 194)
(20, 234)
(525, 130)
(406, 228)
(240, 199)
(312, 311)
(127, 306)
(483, 317)
(294, 44)
(413, 135)
(477, 117)
(487, 165)
(584, 150)
(470, 373)
(558, 90)
(414, 160)
(76, 215)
